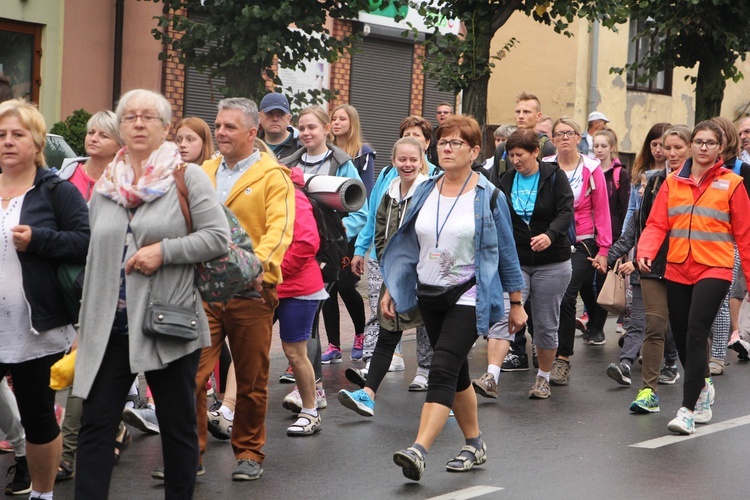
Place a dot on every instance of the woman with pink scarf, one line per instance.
(142, 251)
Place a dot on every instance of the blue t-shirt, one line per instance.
(523, 195)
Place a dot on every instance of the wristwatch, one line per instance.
(516, 303)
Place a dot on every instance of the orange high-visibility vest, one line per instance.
(703, 226)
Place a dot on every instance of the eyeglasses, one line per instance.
(145, 118)
(455, 144)
(565, 133)
(698, 144)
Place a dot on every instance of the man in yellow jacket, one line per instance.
(259, 191)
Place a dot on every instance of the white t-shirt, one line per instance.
(18, 342)
(316, 164)
(575, 178)
(448, 261)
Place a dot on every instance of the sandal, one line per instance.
(121, 443)
(466, 461)
(306, 425)
(411, 462)
(65, 471)
(419, 384)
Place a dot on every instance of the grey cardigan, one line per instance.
(159, 220)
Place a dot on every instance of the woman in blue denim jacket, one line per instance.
(438, 247)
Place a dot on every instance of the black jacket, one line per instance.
(59, 220)
(659, 263)
(553, 215)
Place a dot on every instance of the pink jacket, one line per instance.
(300, 269)
(592, 208)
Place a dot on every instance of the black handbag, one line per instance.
(170, 322)
(442, 298)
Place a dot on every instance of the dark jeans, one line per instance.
(346, 286)
(173, 388)
(452, 335)
(692, 309)
(381, 357)
(583, 273)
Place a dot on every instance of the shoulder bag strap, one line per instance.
(182, 194)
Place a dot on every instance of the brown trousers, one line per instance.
(657, 320)
(248, 324)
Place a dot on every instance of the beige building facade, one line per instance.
(558, 70)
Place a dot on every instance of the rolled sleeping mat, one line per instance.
(339, 193)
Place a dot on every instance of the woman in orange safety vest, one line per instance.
(701, 208)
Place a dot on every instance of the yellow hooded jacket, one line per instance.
(263, 201)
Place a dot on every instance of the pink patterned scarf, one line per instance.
(116, 182)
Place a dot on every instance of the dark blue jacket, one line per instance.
(59, 220)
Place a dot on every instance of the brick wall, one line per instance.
(417, 81)
(341, 69)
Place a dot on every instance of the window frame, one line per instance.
(635, 51)
(36, 68)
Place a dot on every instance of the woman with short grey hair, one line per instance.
(102, 142)
(141, 252)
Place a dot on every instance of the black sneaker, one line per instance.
(597, 338)
(515, 363)
(619, 373)
(668, 375)
(21, 484)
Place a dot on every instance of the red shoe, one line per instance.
(582, 323)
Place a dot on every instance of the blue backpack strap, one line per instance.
(737, 166)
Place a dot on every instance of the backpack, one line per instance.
(334, 245)
(70, 276)
(231, 274)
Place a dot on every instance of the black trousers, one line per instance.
(173, 389)
(692, 309)
(346, 286)
(452, 334)
(583, 274)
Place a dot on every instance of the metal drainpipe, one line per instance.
(593, 69)
(117, 70)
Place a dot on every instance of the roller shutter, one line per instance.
(380, 89)
(202, 96)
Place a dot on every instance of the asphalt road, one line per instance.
(577, 445)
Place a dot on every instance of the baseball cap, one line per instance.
(274, 100)
(595, 115)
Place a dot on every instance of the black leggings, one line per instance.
(36, 401)
(381, 357)
(346, 286)
(452, 335)
(692, 309)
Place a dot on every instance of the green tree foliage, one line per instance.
(464, 63)
(711, 34)
(73, 130)
(240, 40)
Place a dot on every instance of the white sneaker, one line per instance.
(397, 363)
(683, 423)
(703, 413)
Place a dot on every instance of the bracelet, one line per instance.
(516, 303)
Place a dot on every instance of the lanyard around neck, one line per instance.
(439, 230)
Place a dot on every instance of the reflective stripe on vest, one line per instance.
(701, 227)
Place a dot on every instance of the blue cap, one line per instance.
(274, 100)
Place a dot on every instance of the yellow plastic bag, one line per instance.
(61, 373)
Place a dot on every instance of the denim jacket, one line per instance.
(496, 260)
